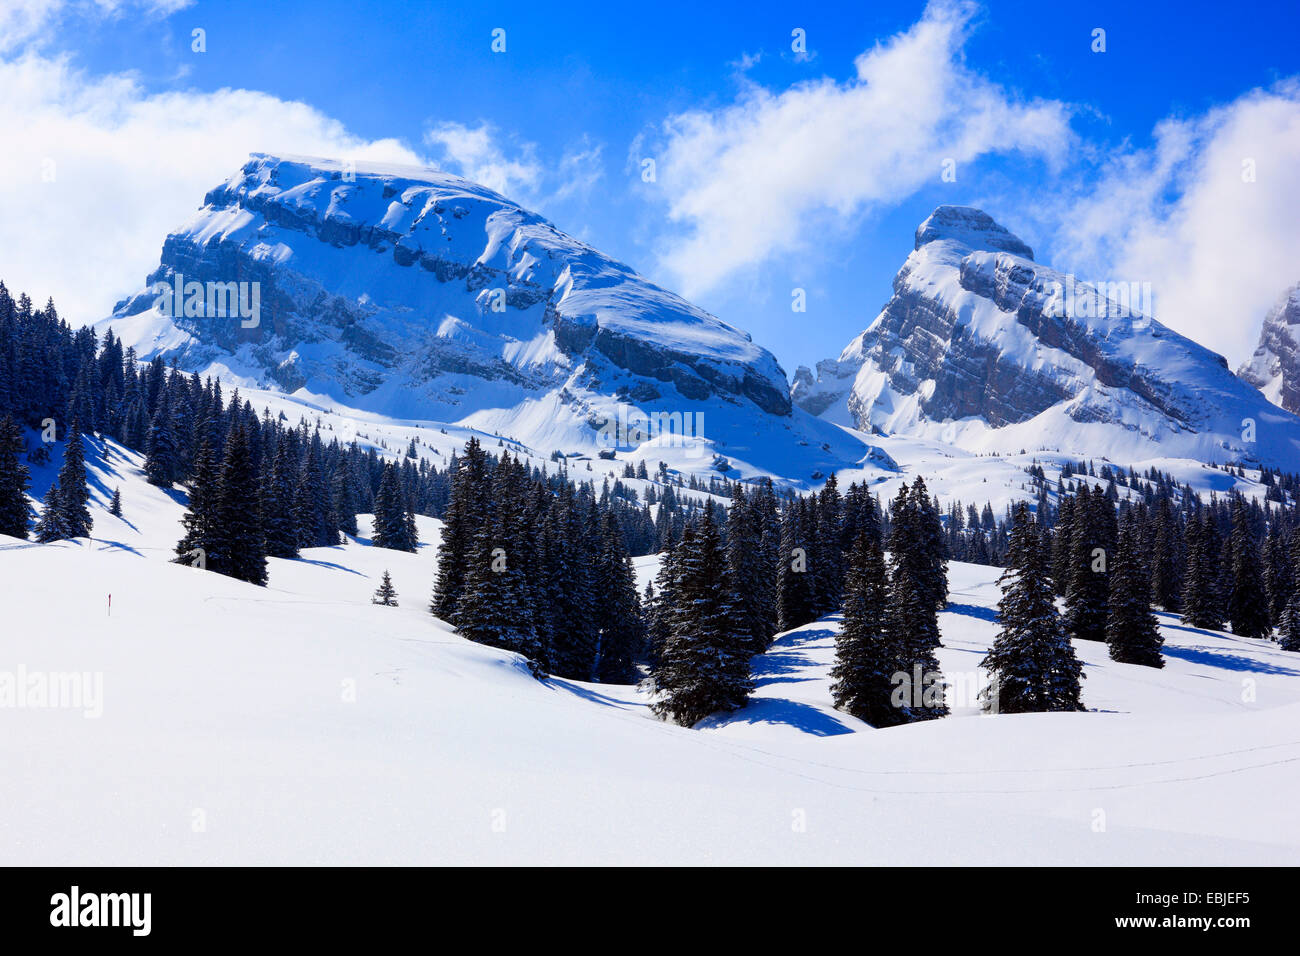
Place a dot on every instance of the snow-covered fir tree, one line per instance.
(15, 513)
(866, 659)
(796, 583)
(918, 585)
(50, 525)
(74, 493)
(1289, 626)
(391, 529)
(1092, 543)
(496, 607)
(1132, 630)
(161, 466)
(1032, 663)
(1248, 598)
(1201, 601)
(385, 594)
(618, 612)
(704, 666)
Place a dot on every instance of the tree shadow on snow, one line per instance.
(116, 545)
(792, 713)
(586, 693)
(785, 662)
(331, 565)
(1209, 657)
(974, 610)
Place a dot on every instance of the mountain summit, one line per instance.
(412, 293)
(982, 347)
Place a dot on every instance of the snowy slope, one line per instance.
(983, 348)
(301, 724)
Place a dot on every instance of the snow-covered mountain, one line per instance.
(414, 294)
(1275, 367)
(982, 347)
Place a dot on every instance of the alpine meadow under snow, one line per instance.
(447, 538)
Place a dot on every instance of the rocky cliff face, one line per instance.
(413, 294)
(982, 346)
(390, 287)
(1275, 367)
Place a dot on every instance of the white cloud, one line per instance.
(29, 22)
(764, 177)
(1217, 250)
(580, 168)
(474, 153)
(128, 167)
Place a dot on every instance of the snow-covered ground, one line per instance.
(301, 724)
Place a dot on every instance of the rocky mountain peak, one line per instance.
(972, 227)
(1275, 367)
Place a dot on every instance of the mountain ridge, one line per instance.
(983, 347)
(420, 295)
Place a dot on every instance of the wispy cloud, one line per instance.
(475, 152)
(765, 176)
(486, 155)
(25, 23)
(1207, 215)
(103, 170)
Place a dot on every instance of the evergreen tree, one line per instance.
(1132, 631)
(662, 602)
(917, 587)
(466, 512)
(1279, 571)
(618, 610)
(1248, 599)
(829, 545)
(50, 525)
(796, 587)
(705, 662)
(73, 493)
(279, 514)
(1289, 626)
(750, 576)
(1088, 592)
(311, 504)
(14, 479)
(1032, 664)
(569, 589)
(115, 506)
(391, 528)
(1063, 546)
(344, 501)
(1202, 598)
(865, 657)
(496, 607)
(1165, 566)
(385, 594)
(161, 464)
(200, 540)
(240, 546)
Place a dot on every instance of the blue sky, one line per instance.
(775, 169)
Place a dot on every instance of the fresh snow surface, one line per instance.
(299, 724)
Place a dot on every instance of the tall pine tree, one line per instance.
(1032, 663)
